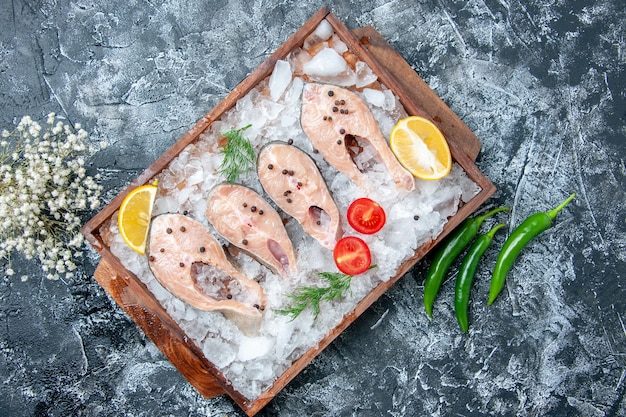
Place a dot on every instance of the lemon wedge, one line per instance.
(134, 216)
(421, 148)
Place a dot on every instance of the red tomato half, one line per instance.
(366, 216)
(352, 255)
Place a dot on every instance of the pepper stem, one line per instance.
(482, 217)
(552, 213)
(495, 228)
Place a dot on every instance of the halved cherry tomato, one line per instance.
(352, 255)
(366, 216)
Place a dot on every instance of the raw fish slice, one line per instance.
(181, 250)
(246, 220)
(291, 178)
(341, 126)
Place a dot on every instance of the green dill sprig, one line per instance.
(238, 153)
(304, 297)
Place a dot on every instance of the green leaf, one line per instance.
(310, 297)
(238, 153)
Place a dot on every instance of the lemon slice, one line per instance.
(421, 148)
(134, 216)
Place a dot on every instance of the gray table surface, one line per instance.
(541, 83)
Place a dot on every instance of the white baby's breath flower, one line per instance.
(43, 188)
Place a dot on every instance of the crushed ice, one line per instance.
(252, 364)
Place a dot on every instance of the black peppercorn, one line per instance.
(229, 296)
(331, 93)
(151, 258)
(285, 172)
(290, 141)
(342, 131)
(183, 229)
(168, 230)
(270, 166)
(253, 209)
(245, 241)
(182, 265)
(289, 200)
(162, 250)
(260, 212)
(339, 142)
(335, 109)
(202, 249)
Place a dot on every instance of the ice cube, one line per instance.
(183, 195)
(270, 110)
(326, 63)
(280, 79)
(218, 351)
(293, 94)
(338, 45)
(159, 292)
(469, 189)
(297, 59)
(322, 32)
(364, 74)
(374, 97)
(237, 368)
(254, 347)
(165, 204)
(196, 329)
(195, 175)
(390, 100)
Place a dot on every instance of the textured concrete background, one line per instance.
(542, 84)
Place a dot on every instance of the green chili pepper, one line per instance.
(444, 257)
(519, 238)
(466, 275)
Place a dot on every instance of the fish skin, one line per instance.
(299, 192)
(172, 255)
(326, 136)
(263, 228)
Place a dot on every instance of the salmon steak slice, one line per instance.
(293, 181)
(248, 221)
(191, 264)
(342, 128)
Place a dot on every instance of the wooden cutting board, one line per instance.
(173, 345)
